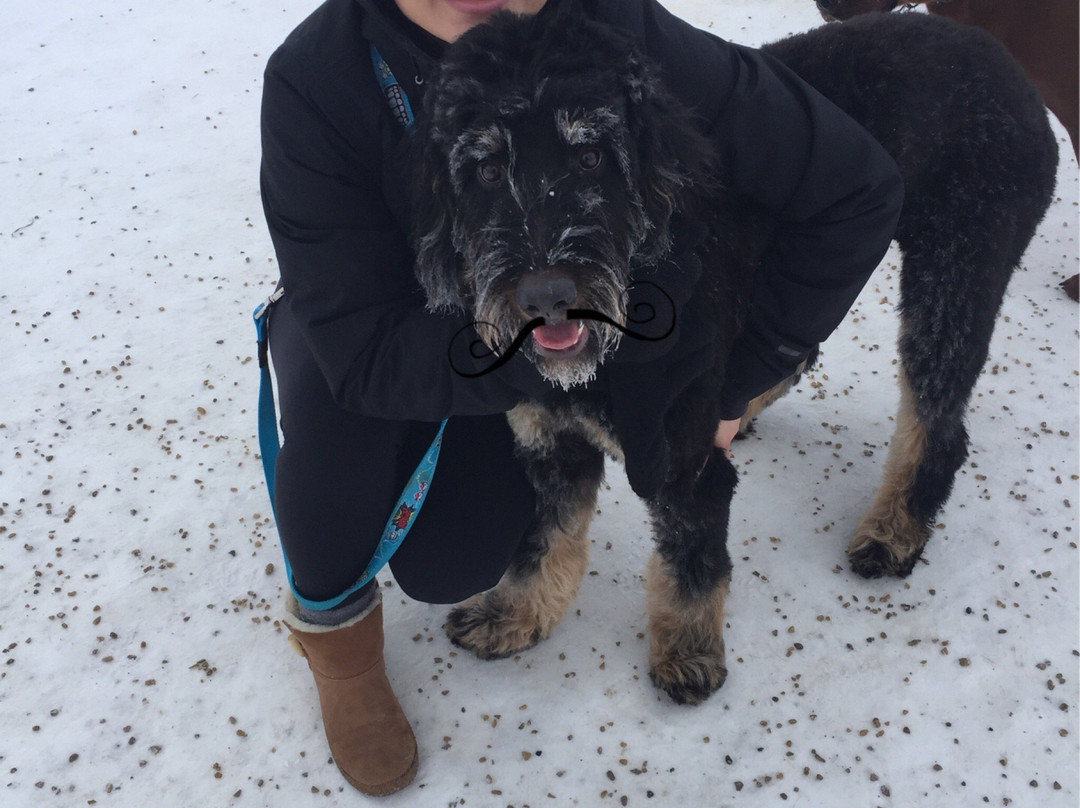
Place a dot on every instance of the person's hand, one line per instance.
(725, 434)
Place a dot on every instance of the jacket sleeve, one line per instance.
(836, 194)
(347, 267)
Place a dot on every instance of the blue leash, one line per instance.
(416, 489)
(268, 434)
(409, 503)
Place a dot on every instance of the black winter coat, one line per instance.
(335, 191)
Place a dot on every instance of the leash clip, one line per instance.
(262, 308)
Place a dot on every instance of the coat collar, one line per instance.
(409, 62)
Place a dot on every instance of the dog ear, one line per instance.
(675, 162)
(438, 264)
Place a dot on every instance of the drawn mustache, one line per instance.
(642, 313)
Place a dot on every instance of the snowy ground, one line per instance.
(143, 661)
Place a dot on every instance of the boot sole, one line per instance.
(389, 787)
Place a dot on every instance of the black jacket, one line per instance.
(335, 192)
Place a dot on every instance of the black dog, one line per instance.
(978, 159)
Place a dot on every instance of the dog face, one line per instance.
(543, 180)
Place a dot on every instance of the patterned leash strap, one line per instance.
(416, 489)
(395, 95)
(408, 504)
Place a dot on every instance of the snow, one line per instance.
(143, 660)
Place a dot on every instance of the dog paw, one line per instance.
(888, 541)
(690, 679)
(875, 559)
(484, 625)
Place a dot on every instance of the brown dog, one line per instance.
(1043, 36)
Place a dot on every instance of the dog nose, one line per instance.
(546, 294)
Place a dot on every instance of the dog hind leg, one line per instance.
(947, 319)
(543, 579)
(890, 537)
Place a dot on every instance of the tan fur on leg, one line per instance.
(520, 612)
(686, 638)
(769, 397)
(888, 535)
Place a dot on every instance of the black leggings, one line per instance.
(339, 476)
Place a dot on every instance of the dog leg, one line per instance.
(543, 579)
(890, 538)
(687, 582)
(759, 404)
(947, 319)
(686, 639)
(523, 609)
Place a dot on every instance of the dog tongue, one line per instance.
(557, 336)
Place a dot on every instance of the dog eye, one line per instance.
(490, 172)
(589, 159)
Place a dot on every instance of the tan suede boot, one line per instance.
(369, 735)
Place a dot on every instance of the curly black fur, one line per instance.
(971, 138)
(557, 150)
